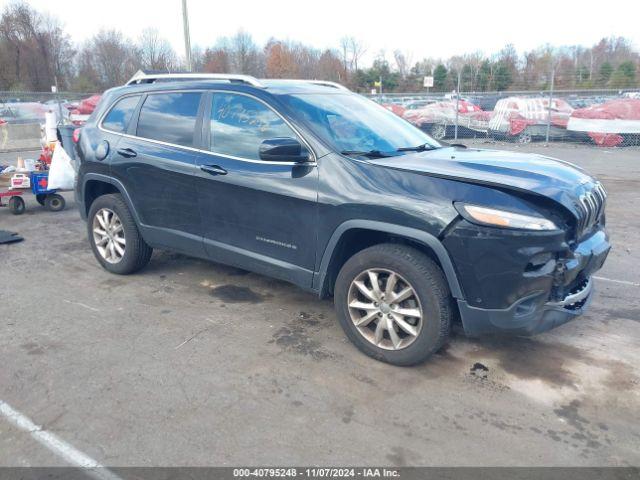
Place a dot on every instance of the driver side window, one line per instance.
(239, 124)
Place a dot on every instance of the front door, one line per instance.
(255, 214)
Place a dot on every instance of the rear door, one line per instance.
(260, 215)
(156, 162)
(99, 142)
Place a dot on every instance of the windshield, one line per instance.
(352, 123)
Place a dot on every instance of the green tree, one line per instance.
(624, 76)
(466, 78)
(605, 73)
(440, 78)
(502, 76)
(484, 76)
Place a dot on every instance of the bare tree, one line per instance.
(344, 53)
(112, 57)
(357, 50)
(197, 58)
(245, 54)
(156, 52)
(18, 30)
(216, 60)
(60, 50)
(330, 67)
(402, 63)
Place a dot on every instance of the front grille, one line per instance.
(591, 208)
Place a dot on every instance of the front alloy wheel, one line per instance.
(385, 309)
(108, 235)
(393, 303)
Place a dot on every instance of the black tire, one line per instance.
(40, 197)
(524, 137)
(16, 205)
(54, 202)
(136, 252)
(428, 282)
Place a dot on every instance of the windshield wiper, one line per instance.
(366, 153)
(420, 148)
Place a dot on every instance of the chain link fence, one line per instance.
(23, 114)
(603, 117)
(599, 117)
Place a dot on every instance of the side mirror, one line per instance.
(283, 149)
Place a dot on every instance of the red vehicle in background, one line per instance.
(610, 124)
(439, 119)
(395, 108)
(85, 108)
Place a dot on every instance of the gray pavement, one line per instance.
(194, 363)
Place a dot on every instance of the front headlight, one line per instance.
(502, 218)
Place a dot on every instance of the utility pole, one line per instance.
(187, 41)
(455, 135)
(553, 74)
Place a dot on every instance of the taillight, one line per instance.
(76, 135)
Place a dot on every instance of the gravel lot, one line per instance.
(194, 363)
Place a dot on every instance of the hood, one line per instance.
(525, 172)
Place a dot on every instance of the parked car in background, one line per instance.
(418, 104)
(487, 102)
(523, 119)
(85, 108)
(312, 184)
(611, 124)
(395, 108)
(23, 112)
(439, 119)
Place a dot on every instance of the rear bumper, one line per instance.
(543, 310)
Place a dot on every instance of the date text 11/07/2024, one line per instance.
(316, 472)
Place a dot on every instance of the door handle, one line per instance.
(213, 169)
(127, 152)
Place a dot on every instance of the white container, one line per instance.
(50, 122)
(20, 180)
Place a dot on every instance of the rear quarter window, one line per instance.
(118, 118)
(169, 117)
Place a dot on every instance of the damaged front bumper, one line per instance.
(537, 299)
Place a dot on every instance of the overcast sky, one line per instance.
(418, 28)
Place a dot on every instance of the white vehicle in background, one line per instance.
(523, 119)
(439, 119)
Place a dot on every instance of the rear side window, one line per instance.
(239, 124)
(117, 120)
(169, 117)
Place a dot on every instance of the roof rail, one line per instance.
(339, 86)
(324, 83)
(141, 77)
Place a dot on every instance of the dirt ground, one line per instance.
(194, 363)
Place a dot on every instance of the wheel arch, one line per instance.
(355, 235)
(95, 185)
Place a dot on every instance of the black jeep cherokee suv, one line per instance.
(310, 183)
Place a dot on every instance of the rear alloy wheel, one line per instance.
(393, 303)
(108, 235)
(114, 236)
